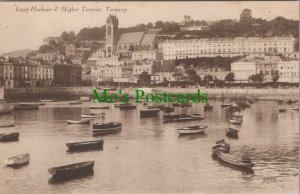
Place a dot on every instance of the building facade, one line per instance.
(226, 47)
(288, 71)
(67, 75)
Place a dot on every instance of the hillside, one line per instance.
(20, 53)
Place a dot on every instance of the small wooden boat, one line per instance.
(17, 160)
(282, 110)
(250, 101)
(81, 121)
(7, 125)
(233, 133)
(289, 101)
(175, 104)
(237, 115)
(108, 88)
(193, 117)
(208, 107)
(243, 104)
(84, 99)
(225, 105)
(5, 111)
(26, 107)
(99, 107)
(104, 128)
(192, 129)
(149, 113)
(32, 103)
(75, 103)
(92, 115)
(280, 101)
(85, 145)
(175, 116)
(128, 106)
(160, 106)
(169, 109)
(196, 116)
(295, 108)
(71, 170)
(221, 146)
(6, 137)
(46, 100)
(185, 105)
(243, 163)
(235, 107)
(236, 121)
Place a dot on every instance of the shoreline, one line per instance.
(74, 93)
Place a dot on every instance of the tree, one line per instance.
(257, 78)
(178, 75)
(275, 78)
(192, 74)
(45, 48)
(208, 79)
(229, 77)
(159, 24)
(145, 78)
(69, 37)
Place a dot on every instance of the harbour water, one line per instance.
(148, 156)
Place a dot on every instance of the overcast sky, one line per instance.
(21, 30)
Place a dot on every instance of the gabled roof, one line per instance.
(148, 39)
(132, 37)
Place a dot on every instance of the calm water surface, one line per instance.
(147, 156)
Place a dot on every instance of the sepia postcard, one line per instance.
(157, 97)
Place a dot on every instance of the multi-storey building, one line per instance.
(7, 74)
(145, 55)
(226, 47)
(269, 66)
(67, 75)
(288, 71)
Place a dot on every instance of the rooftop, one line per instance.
(132, 37)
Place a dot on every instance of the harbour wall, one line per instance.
(73, 93)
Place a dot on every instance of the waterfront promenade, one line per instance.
(69, 93)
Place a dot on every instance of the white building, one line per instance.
(112, 61)
(160, 77)
(243, 69)
(288, 71)
(226, 47)
(145, 66)
(144, 55)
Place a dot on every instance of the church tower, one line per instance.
(112, 24)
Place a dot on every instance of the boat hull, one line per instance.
(83, 121)
(4, 111)
(9, 137)
(103, 107)
(90, 116)
(26, 107)
(81, 146)
(235, 164)
(190, 131)
(149, 113)
(106, 131)
(129, 107)
(72, 170)
(17, 160)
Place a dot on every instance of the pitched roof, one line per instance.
(132, 37)
(149, 38)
